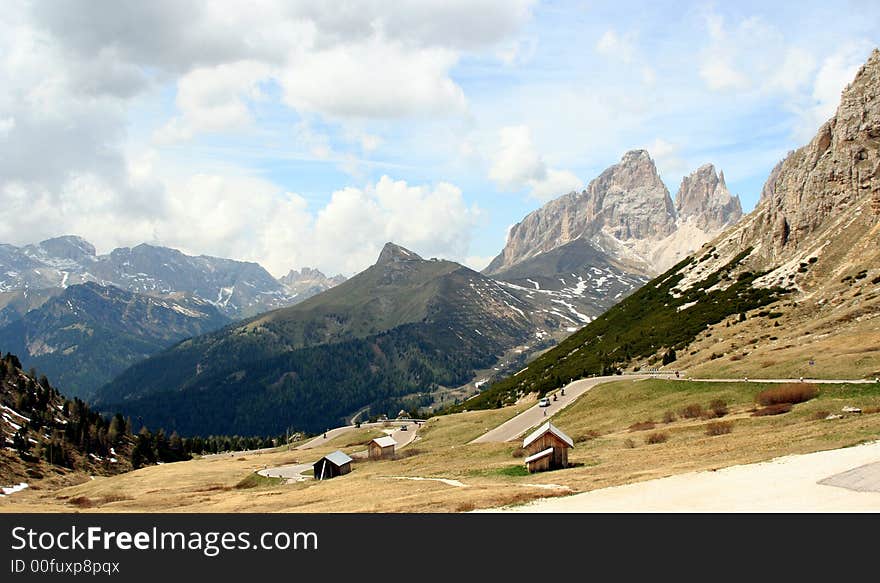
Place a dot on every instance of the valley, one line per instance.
(609, 425)
(687, 337)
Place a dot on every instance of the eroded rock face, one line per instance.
(703, 198)
(627, 201)
(839, 168)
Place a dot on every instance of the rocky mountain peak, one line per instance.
(630, 201)
(704, 199)
(308, 277)
(67, 247)
(393, 253)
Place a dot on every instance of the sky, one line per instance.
(296, 133)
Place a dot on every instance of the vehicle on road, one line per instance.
(545, 402)
(403, 428)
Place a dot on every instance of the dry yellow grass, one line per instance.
(442, 451)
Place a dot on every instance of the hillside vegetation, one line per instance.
(655, 321)
(405, 326)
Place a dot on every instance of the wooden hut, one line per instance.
(547, 449)
(382, 448)
(332, 465)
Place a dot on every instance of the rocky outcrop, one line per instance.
(627, 212)
(704, 199)
(392, 253)
(627, 201)
(308, 282)
(838, 169)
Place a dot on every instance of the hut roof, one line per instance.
(539, 455)
(544, 429)
(337, 458)
(384, 441)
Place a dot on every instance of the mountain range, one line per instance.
(83, 318)
(402, 327)
(791, 290)
(238, 288)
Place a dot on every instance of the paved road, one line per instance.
(534, 416)
(519, 425)
(812, 381)
(401, 437)
(864, 478)
(293, 472)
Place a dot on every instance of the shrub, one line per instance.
(692, 411)
(656, 437)
(590, 434)
(719, 428)
(719, 407)
(519, 452)
(81, 502)
(821, 415)
(776, 409)
(642, 426)
(791, 393)
(669, 417)
(869, 410)
(629, 443)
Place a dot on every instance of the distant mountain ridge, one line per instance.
(238, 288)
(89, 333)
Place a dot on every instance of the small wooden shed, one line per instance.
(332, 465)
(547, 449)
(382, 448)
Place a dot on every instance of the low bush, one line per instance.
(81, 502)
(719, 407)
(656, 437)
(669, 417)
(790, 393)
(719, 428)
(519, 452)
(776, 409)
(821, 415)
(692, 411)
(642, 426)
(583, 437)
(629, 443)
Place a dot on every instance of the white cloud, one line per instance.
(248, 218)
(752, 55)
(350, 231)
(214, 99)
(616, 46)
(7, 124)
(667, 157)
(517, 165)
(834, 74)
(374, 79)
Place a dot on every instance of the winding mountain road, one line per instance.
(534, 416)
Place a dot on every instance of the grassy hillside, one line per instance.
(652, 321)
(607, 452)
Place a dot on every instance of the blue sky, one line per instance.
(304, 133)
